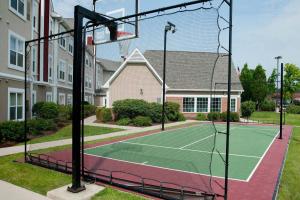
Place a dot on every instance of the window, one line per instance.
(62, 70)
(70, 74)
(50, 67)
(16, 104)
(188, 104)
(49, 97)
(33, 98)
(51, 27)
(62, 41)
(69, 99)
(35, 12)
(90, 83)
(34, 57)
(233, 105)
(70, 46)
(18, 7)
(61, 99)
(215, 105)
(202, 104)
(86, 60)
(16, 51)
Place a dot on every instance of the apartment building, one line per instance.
(49, 61)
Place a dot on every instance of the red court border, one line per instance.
(261, 186)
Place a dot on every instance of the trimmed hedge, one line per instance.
(142, 121)
(201, 117)
(65, 112)
(267, 105)
(45, 110)
(234, 117)
(12, 131)
(37, 126)
(123, 122)
(104, 114)
(293, 109)
(247, 108)
(155, 112)
(181, 117)
(89, 110)
(214, 116)
(172, 111)
(130, 108)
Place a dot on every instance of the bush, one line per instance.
(181, 117)
(247, 108)
(130, 108)
(234, 117)
(99, 114)
(64, 112)
(214, 116)
(296, 102)
(172, 111)
(142, 121)
(267, 105)
(155, 112)
(106, 115)
(201, 117)
(12, 131)
(89, 110)
(46, 110)
(37, 126)
(293, 109)
(123, 122)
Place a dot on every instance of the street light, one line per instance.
(169, 27)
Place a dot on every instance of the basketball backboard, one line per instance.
(115, 9)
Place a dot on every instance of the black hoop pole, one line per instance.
(281, 100)
(25, 113)
(228, 101)
(164, 82)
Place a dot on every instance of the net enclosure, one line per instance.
(166, 57)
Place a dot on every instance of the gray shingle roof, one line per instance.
(109, 65)
(193, 70)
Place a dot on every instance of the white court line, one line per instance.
(191, 150)
(257, 164)
(171, 169)
(197, 141)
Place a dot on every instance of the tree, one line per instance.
(291, 81)
(246, 79)
(259, 87)
(247, 108)
(272, 82)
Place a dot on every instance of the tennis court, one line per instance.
(189, 149)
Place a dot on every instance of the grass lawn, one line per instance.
(112, 194)
(291, 119)
(66, 133)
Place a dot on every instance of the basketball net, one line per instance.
(124, 44)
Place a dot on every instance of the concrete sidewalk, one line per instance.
(13, 192)
(45, 145)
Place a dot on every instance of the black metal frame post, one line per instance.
(26, 108)
(228, 100)
(164, 81)
(281, 100)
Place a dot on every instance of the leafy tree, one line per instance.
(272, 82)
(246, 79)
(291, 80)
(259, 87)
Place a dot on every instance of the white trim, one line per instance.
(235, 106)
(23, 17)
(49, 94)
(62, 29)
(61, 95)
(69, 96)
(33, 101)
(70, 72)
(15, 90)
(195, 95)
(11, 76)
(205, 90)
(59, 67)
(18, 37)
(128, 60)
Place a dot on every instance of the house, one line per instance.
(188, 81)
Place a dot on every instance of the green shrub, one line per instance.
(296, 102)
(293, 109)
(46, 110)
(201, 117)
(99, 114)
(142, 121)
(106, 115)
(267, 105)
(37, 126)
(130, 108)
(89, 110)
(123, 122)
(172, 111)
(155, 112)
(36, 108)
(234, 117)
(181, 117)
(12, 131)
(64, 112)
(214, 116)
(247, 108)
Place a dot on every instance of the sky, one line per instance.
(262, 30)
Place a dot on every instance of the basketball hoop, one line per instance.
(124, 43)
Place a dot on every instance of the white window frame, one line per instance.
(49, 94)
(193, 111)
(60, 69)
(64, 97)
(17, 12)
(50, 67)
(16, 90)
(62, 29)
(19, 38)
(33, 99)
(34, 58)
(196, 103)
(235, 106)
(70, 72)
(220, 104)
(71, 43)
(69, 97)
(35, 15)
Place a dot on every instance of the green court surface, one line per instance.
(189, 149)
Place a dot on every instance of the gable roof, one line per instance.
(193, 70)
(109, 65)
(135, 57)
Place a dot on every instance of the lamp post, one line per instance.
(168, 27)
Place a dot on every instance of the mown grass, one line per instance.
(66, 133)
(272, 117)
(112, 194)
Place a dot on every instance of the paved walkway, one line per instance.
(13, 192)
(45, 145)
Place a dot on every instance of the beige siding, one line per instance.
(135, 82)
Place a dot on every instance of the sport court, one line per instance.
(189, 149)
